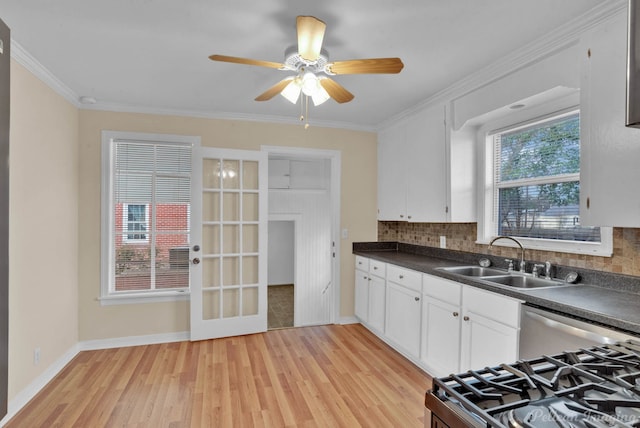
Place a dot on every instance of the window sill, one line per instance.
(603, 249)
(139, 298)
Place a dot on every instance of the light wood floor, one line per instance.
(304, 377)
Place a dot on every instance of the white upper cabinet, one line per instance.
(420, 171)
(392, 177)
(610, 152)
(426, 170)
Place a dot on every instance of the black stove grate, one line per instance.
(595, 387)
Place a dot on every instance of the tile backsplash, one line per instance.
(462, 237)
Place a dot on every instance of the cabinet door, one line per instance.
(610, 152)
(440, 336)
(362, 296)
(377, 298)
(392, 179)
(486, 342)
(403, 318)
(426, 166)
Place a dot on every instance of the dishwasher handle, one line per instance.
(568, 327)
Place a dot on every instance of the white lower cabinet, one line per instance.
(465, 328)
(377, 303)
(370, 293)
(490, 329)
(403, 318)
(361, 309)
(444, 326)
(441, 325)
(486, 342)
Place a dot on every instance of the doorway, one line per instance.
(281, 274)
(304, 188)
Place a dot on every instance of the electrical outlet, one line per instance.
(443, 241)
(36, 356)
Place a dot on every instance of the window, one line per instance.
(146, 216)
(137, 222)
(533, 169)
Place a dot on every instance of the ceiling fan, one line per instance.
(311, 65)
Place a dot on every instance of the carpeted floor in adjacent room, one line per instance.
(280, 310)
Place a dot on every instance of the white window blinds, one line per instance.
(151, 185)
(537, 181)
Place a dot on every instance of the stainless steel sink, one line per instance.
(473, 271)
(501, 277)
(521, 281)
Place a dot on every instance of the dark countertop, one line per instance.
(609, 299)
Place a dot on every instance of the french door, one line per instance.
(229, 243)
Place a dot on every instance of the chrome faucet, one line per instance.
(534, 270)
(522, 263)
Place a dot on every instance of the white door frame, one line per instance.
(334, 156)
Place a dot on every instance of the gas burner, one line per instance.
(595, 387)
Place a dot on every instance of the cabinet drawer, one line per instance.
(406, 277)
(377, 268)
(442, 289)
(362, 263)
(490, 305)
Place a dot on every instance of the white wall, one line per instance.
(281, 252)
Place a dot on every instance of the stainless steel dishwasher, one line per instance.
(543, 332)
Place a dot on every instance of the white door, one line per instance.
(229, 243)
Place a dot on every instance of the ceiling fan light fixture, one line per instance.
(292, 91)
(320, 95)
(310, 83)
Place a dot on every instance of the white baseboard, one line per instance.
(348, 320)
(123, 342)
(27, 394)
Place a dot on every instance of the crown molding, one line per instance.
(25, 59)
(554, 41)
(286, 120)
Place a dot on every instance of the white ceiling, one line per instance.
(152, 54)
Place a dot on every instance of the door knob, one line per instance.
(196, 261)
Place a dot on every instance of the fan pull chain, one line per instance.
(304, 111)
(306, 103)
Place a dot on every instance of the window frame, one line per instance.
(108, 213)
(487, 226)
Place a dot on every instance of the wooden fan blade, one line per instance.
(367, 66)
(336, 90)
(274, 90)
(246, 61)
(310, 36)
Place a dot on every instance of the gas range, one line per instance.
(596, 387)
